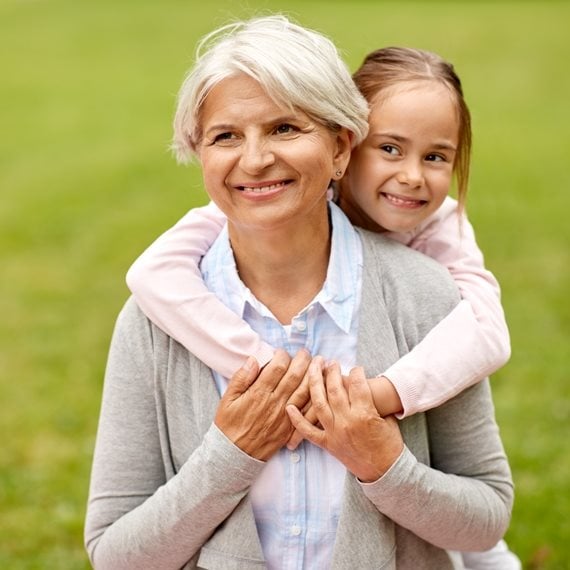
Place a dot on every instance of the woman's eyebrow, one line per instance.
(219, 127)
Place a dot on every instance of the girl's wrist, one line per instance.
(386, 398)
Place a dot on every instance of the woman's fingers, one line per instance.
(273, 371)
(318, 392)
(243, 378)
(336, 392)
(305, 428)
(310, 415)
(293, 385)
(319, 410)
(358, 389)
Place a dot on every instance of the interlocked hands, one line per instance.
(260, 412)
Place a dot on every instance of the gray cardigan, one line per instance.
(169, 490)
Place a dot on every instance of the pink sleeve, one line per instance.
(168, 286)
(473, 341)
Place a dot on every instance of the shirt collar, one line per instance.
(338, 297)
(339, 293)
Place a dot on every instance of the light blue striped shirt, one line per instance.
(297, 498)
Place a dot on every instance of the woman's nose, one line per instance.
(411, 174)
(256, 156)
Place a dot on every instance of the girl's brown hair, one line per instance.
(386, 67)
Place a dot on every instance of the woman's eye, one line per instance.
(284, 129)
(223, 137)
(390, 149)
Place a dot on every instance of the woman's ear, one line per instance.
(341, 158)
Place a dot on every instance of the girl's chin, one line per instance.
(400, 224)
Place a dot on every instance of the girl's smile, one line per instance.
(402, 201)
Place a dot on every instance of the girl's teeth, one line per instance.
(401, 201)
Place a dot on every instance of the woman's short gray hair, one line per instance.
(297, 67)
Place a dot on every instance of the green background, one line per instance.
(86, 99)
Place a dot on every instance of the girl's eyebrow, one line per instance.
(440, 145)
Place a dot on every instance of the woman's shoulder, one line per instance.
(396, 257)
(404, 272)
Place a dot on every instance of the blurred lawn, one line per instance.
(86, 97)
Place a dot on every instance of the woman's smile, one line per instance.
(263, 187)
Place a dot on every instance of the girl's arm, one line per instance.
(471, 342)
(168, 286)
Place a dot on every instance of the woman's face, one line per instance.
(402, 172)
(263, 165)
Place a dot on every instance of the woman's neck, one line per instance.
(283, 268)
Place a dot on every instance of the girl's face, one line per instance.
(401, 173)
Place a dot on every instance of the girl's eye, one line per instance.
(390, 149)
(435, 158)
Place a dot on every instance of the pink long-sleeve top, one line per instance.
(469, 344)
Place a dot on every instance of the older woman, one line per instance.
(190, 471)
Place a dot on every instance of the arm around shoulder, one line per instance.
(472, 341)
(168, 286)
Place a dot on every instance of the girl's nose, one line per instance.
(411, 174)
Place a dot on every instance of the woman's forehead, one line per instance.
(241, 96)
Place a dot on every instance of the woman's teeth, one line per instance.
(261, 189)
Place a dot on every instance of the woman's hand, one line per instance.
(252, 410)
(352, 430)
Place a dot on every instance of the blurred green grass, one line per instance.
(86, 97)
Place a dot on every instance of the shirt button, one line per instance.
(301, 326)
(295, 530)
(295, 458)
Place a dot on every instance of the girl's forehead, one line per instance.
(422, 110)
(411, 88)
(427, 94)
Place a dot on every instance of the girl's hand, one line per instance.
(352, 430)
(251, 412)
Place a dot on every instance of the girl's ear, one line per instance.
(341, 158)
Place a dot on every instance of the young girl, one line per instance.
(397, 182)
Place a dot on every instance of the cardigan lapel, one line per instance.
(365, 537)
